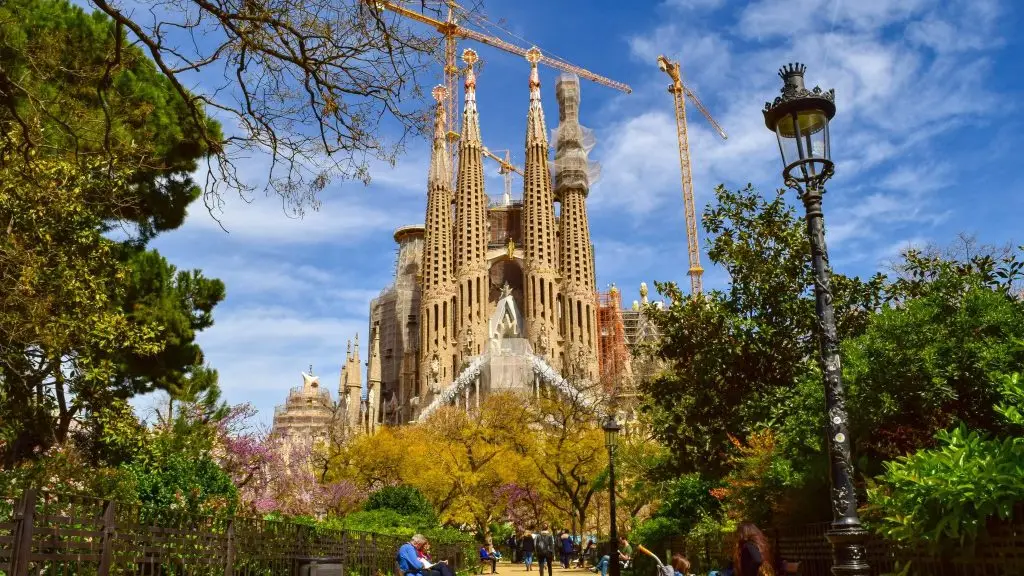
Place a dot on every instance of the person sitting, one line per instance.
(625, 555)
(680, 564)
(408, 557)
(440, 568)
(586, 552)
(486, 556)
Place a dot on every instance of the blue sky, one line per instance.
(924, 140)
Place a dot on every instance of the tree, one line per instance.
(61, 286)
(732, 356)
(928, 360)
(72, 84)
(312, 84)
(477, 454)
(570, 454)
(90, 145)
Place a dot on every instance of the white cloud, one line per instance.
(895, 95)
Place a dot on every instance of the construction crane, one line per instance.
(506, 168)
(452, 31)
(679, 94)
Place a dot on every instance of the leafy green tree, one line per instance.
(733, 355)
(95, 144)
(73, 84)
(928, 361)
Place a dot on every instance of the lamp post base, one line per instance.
(849, 556)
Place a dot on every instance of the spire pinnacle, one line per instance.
(535, 127)
(469, 57)
(470, 116)
(533, 56)
(439, 172)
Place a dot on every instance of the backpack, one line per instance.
(545, 544)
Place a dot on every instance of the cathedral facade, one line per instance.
(534, 257)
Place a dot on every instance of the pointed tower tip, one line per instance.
(470, 116)
(533, 56)
(439, 93)
(439, 173)
(535, 127)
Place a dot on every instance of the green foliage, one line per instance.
(404, 500)
(93, 140)
(60, 290)
(655, 531)
(948, 493)
(1011, 406)
(76, 93)
(392, 523)
(732, 356)
(173, 482)
(687, 499)
(930, 362)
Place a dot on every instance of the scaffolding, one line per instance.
(613, 354)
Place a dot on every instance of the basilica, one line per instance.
(491, 294)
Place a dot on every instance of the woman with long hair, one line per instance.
(752, 551)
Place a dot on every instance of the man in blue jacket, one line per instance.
(409, 556)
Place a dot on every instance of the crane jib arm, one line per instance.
(449, 28)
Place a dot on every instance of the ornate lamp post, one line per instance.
(611, 439)
(799, 118)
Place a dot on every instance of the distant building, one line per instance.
(307, 412)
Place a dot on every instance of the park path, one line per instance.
(506, 568)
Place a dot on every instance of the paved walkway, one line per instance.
(506, 568)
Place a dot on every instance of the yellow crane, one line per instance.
(452, 31)
(506, 168)
(679, 94)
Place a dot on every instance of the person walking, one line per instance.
(752, 550)
(545, 547)
(513, 548)
(566, 548)
(527, 545)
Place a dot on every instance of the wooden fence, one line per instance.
(999, 552)
(48, 533)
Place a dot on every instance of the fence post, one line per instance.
(24, 517)
(344, 553)
(373, 547)
(229, 554)
(107, 539)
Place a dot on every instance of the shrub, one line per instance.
(405, 500)
(949, 492)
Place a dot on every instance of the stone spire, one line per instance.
(540, 259)
(350, 388)
(471, 237)
(436, 289)
(373, 384)
(572, 186)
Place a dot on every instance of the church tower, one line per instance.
(539, 245)
(436, 330)
(350, 389)
(373, 385)
(578, 325)
(471, 269)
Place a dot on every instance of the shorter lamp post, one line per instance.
(611, 439)
(799, 118)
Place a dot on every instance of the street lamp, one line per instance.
(611, 439)
(799, 118)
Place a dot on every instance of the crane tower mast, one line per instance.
(679, 95)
